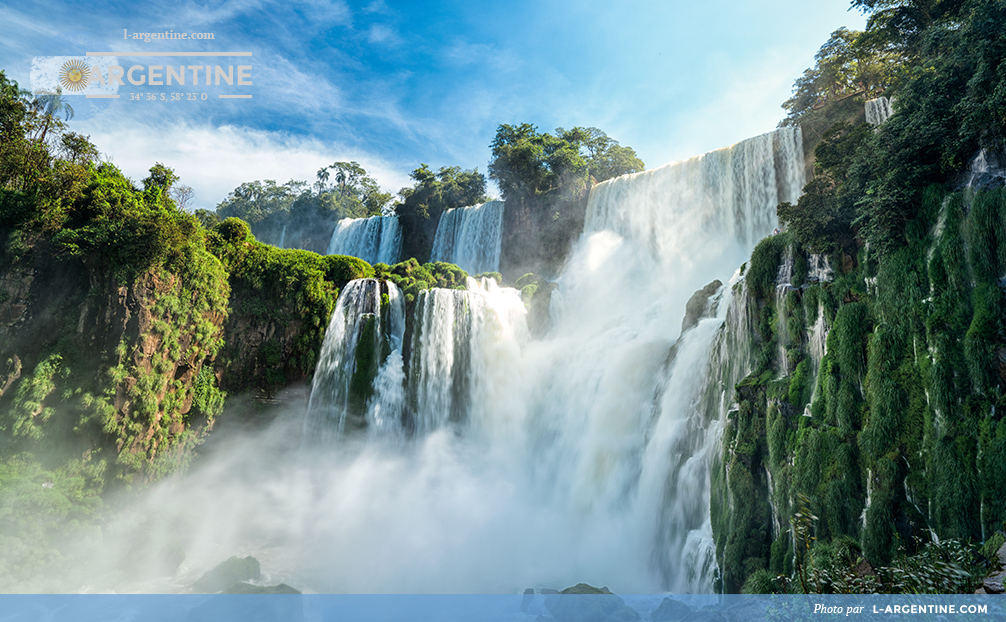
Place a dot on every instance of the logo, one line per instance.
(74, 75)
(80, 76)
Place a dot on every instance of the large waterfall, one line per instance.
(470, 237)
(377, 239)
(493, 462)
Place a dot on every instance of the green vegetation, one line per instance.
(898, 432)
(303, 215)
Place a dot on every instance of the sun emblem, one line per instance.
(74, 75)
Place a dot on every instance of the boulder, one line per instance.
(697, 306)
(248, 588)
(669, 610)
(994, 583)
(227, 573)
(585, 602)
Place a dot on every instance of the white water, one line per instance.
(470, 237)
(985, 171)
(377, 239)
(329, 406)
(602, 434)
(465, 352)
(879, 110)
(581, 457)
(817, 347)
(783, 284)
(819, 269)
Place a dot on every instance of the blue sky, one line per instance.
(393, 84)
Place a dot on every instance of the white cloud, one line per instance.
(463, 53)
(215, 160)
(380, 33)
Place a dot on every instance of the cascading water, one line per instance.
(817, 347)
(470, 237)
(985, 171)
(584, 456)
(614, 427)
(282, 238)
(362, 329)
(819, 269)
(377, 239)
(463, 345)
(879, 110)
(783, 284)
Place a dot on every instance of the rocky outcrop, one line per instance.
(585, 602)
(995, 582)
(698, 305)
(227, 573)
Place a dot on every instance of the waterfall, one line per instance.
(584, 456)
(817, 347)
(879, 110)
(985, 172)
(819, 269)
(282, 237)
(377, 239)
(624, 435)
(462, 341)
(783, 284)
(470, 237)
(363, 330)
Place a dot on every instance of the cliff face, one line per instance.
(125, 364)
(538, 233)
(280, 304)
(873, 422)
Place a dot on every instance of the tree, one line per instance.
(183, 196)
(824, 215)
(848, 63)
(48, 105)
(161, 177)
(78, 149)
(903, 23)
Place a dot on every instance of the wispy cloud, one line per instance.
(380, 33)
(215, 160)
(464, 53)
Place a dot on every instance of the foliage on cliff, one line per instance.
(279, 307)
(946, 63)
(113, 305)
(858, 459)
(433, 193)
(897, 432)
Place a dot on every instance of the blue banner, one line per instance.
(492, 608)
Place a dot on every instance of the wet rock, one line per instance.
(585, 602)
(248, 588)
(669, 610)
(994, 584)
(697, 306)
(234, 570)
(525, 603)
